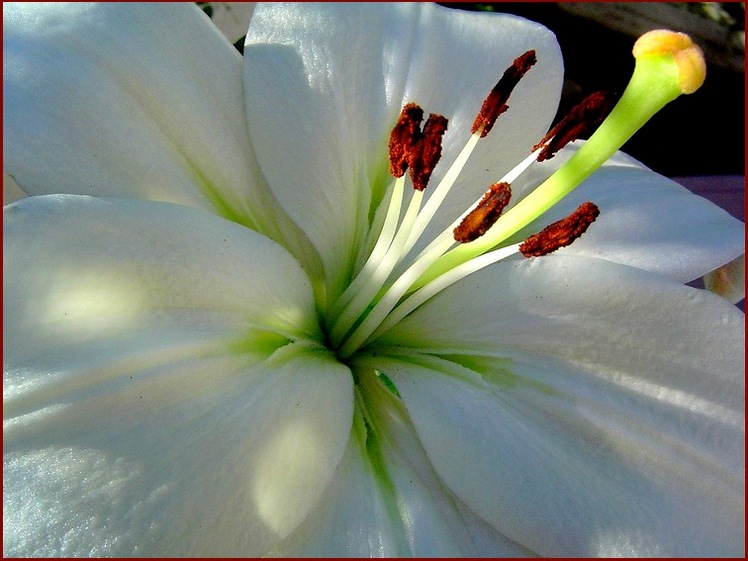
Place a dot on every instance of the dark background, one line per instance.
(698, 134)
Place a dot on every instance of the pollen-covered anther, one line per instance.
(561, 233)
(580, 121)
(495, 103)
(427, 151)
(415, 149)
(404, 137)
(485, 214)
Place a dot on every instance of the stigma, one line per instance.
(395, 279)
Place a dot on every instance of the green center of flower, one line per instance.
(394, 281)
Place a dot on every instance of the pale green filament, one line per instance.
(389, 229)
(383, 309)
(370, 280)
(447, 279)
(440, 193)
(390, 252)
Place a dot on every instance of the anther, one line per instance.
(495, 103)
(581, 120)
(411, 148)
(485, 214)
(404, 137)
(561, 233)
(427, 151)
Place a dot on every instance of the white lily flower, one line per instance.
(195, 367)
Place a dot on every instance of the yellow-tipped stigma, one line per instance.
(688, 57)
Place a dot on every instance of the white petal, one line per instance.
(198, 456)
(325, 83)
(386, 500)
(136, 99)
(590, 312)
(728, 281)
(568, 467)
(609, 418)
(646, 220)
(142, 413)
(11, 190)
(434, 523)
(351, 518)
(84, 274)
(232, 18)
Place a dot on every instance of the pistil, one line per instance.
(667, 65)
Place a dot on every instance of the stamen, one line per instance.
(427, 151)
(404, 137)
(582, 119)
(448, 279)
(485, 214)
(561, 233)
(495, 103)
(372, 266)
(409, 148)
(667, 65)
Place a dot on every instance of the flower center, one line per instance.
(667, 65)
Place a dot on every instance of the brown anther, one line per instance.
(582, 119)
(561, 233)
(495, 103)
(404, 137)
(485, 214)
(427, 151)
